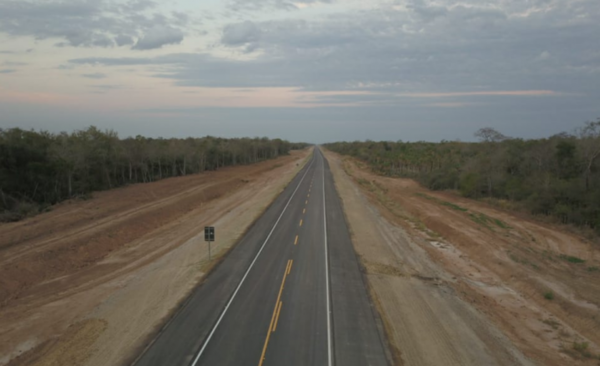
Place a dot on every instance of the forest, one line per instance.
(39, 169)
(557, 176)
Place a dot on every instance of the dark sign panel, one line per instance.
(209, 233)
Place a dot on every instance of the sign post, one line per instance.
(209, 236)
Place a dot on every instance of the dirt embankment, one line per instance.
(460, 283)
(87, 283)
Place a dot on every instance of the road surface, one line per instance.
(290, 292)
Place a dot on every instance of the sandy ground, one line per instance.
(460, 283)
(91, 281)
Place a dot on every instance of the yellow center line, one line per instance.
(304, 211)
(308, 195)
(296, 241)
(277, 316)
(275, 312)
(306, 203)
(290, 267)
(300, 222)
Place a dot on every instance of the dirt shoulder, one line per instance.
(460, 283)
(87, 283)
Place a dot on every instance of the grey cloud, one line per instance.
(259, 5)
(427, 11)
(476, 46)
(355, 99)
(298, 36)
(240, 33)
(7, 52)
(97, 75)
(106, 61)
(71, 21)
(182, 18)
(11, 63)
(123, 40)
(103, 88)
(208, 71)
(159, 36)
(7, 71)
(100, 23)
(139, 5)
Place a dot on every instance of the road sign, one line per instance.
(209, 233)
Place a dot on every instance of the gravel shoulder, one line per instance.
(460, 283)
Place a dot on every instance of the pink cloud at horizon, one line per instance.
(277, 97)
(12, 96)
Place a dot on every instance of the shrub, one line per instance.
(572, 259)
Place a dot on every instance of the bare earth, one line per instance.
(460, 283)
(91, 281)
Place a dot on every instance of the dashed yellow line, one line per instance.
(296, 241)
(304, 211)
(276, 311)
(300, 222)
(306, 203)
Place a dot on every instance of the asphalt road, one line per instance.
(289, 293)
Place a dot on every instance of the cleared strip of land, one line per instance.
(458, 282)
(90, 281)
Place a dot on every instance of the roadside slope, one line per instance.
(459, 283)
(104, 273)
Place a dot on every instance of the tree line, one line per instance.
(39, 168)
(557, 176)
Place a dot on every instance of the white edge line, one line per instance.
(326, 268)
(248, 271)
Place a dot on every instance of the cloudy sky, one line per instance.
(318, 70)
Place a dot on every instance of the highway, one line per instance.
(289, 293)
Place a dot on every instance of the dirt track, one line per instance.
(460, 283)
(88, 282)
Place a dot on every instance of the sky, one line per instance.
(315, 71)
